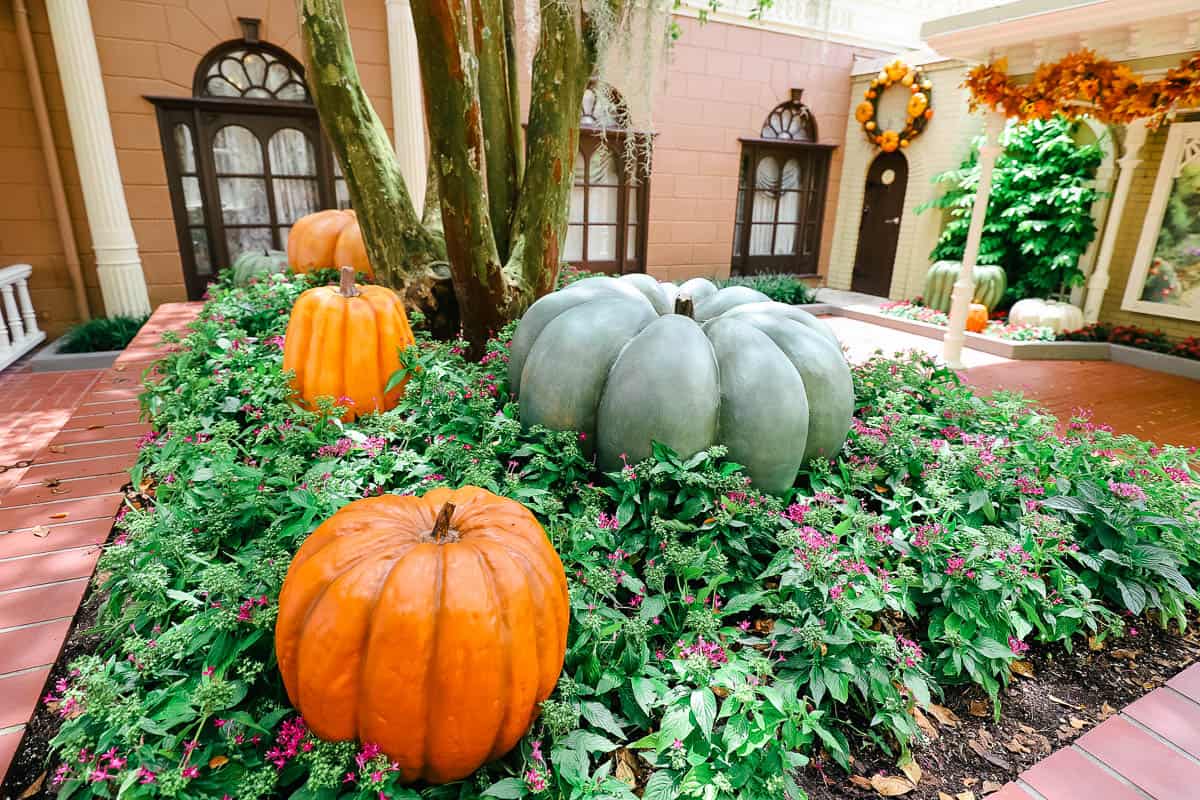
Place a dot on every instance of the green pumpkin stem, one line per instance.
(442, 526)
(684, 305)
(347, 287)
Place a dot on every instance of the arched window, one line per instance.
(606, 231)
(245, 156)
(781, 194)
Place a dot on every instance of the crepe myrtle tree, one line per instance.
(498, 196)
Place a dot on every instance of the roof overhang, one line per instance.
(1118, 29)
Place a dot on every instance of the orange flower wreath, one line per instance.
(918, 111)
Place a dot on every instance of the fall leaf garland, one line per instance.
(917, 111)
(1083, 84)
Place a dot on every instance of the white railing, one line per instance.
(884, 24)
(19, 332)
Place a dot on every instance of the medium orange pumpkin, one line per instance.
(431, 626)
(345, 342)
(977, 317)
(328, 239)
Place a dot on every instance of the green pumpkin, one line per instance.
(251, 264)
(629, 361)
(990, 283)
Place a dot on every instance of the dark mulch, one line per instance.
(1068, 695)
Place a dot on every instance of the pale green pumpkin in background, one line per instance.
(629, 361)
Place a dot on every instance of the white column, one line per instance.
(964, 287)
(1135, 137)
(27, 314)
(408, 110)
(122, 284)
(14, 317)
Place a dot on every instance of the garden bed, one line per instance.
(722, 641)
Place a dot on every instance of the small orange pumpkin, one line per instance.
(345, 342)
(328, 239)
(431, 626)
(977, 317)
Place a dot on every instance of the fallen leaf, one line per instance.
(944, 796)
(969, 782)
(94, 427)
(40, 531)
(60, 515)
(1013, 746)
(1128, 655)
(1022, 668)
(965, 796)
(861, 782)
(57, 448)
(943, 715)
(628, 769)
(991, 786)
(924, 724)
(912, 770)
(890, 785)
(51, 482)
(1095, 644)
(59, 490)
(1077, 723)
(720, 691)
(988, 756)
(33, 788)
(118, 368)
(1107, 710)
(977, 708)
(217, 762)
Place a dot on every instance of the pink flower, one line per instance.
(190, 772)
(1017, 646)
(146, 775)
(836, 592)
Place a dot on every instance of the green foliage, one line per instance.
(101, 334)
(780, 287)
(723, 636)
(1039, 218)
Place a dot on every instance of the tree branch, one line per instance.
(561, 70)
(499, 104)
(397, 243)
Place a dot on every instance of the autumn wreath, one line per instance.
(918, 111)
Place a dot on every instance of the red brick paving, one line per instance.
(1069, 773)
(81, 431)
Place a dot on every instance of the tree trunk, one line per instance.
(402, 250)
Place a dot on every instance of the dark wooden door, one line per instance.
(883, 206)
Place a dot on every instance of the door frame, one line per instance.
(881, 159)
(205, 116)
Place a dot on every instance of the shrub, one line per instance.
(720, 638)
(1039, 217)
(101, 334)
(780, 287)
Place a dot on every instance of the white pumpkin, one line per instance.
(1048, 313)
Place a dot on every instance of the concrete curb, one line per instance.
(49, 359)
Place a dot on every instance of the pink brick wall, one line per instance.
(722, 82)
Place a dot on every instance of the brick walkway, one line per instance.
(81, 430)
(1151, 405)
(1149, 750)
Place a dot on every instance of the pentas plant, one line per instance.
(720, 639)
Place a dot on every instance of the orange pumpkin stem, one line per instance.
(347, 287)
(442, 526)
(684, 305)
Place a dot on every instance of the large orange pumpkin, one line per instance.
(432, 626)
(345, 342)
(329, 239)
(977, 318)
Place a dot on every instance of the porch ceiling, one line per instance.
(1030, 31)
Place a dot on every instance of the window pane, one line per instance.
(243, 200)
(200, 251)
(242, 239)
(785, 240)
(237, 150)
(343, 193)
(219, 87)
(277, 76)
(761, 238)
(602, 204)
(291, 153)
(602, 167)
(576, 214)
(256, 68)
(602, 242)
(631, 243)
(766, 175)
(295, 197)
(791, 175)
(184, 148)
(193, 201)
(574, 249)
(631, 209)
(789, 207)
(737, 239)
(580, 168)
(292, 91)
